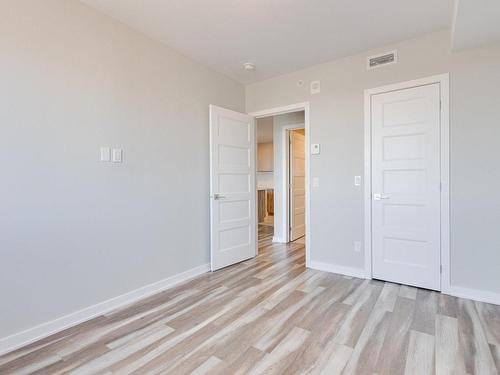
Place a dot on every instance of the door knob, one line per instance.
(218, 196)
(379, 197)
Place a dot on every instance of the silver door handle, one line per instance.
(379, 197)
(218, 196)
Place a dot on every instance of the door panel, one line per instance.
(406, 186)
(232, 187)
(297, 186)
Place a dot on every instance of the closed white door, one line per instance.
(297, 185)
(406, 186)
(232, 187)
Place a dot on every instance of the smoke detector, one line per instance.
(249, 67)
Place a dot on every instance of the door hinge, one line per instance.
(440, 105)
(441, 269)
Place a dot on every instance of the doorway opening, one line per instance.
(234, 204)
(281, 178)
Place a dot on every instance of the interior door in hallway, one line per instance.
(232, 187)
(406, 186)
(297, 194)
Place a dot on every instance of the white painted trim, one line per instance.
(280, 110)
(474, 294)
(18, 340)
(341, 270)
(443, 80)
(279, 240)
(288, 109)
(285, 146)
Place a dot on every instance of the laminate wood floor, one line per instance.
(271, 315)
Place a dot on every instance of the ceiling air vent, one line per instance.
(387, 58)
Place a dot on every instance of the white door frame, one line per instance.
(288, 109)
(443, 80)
(285, 134)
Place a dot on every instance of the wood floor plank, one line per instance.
(395, 348)
(367, 350)
(477, 354)
(449, 352)
(489, 316)
(283, 355)
(420, 358)
(358, 315)
(426, 307)
(495, 352)
(408, 292)
(241, 363)
(272, 315)
(206, 366)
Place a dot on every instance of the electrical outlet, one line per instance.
(357, 246)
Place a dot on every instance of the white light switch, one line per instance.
(117, 155)
(105, 154)
(315, 149)
(315, 182)
(357, 180)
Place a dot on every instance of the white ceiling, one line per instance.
(476, 23)
(279, 36)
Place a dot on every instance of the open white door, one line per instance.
(297, 185)
(232, 187)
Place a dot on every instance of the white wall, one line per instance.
(279, 122)
(73, 231)
(337, 124)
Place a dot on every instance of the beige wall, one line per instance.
(265, 160)
(73, 231)
(337, 124)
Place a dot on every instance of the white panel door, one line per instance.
(297, 186)
(232, 187)
(406, 186)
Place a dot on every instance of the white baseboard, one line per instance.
(473, 294)
(278, 240)
(342, 270)
(18, 340)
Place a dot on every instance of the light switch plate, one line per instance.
(117, 155)
(315, 182)
(315, 149)
(105, 154)
(357, 180)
